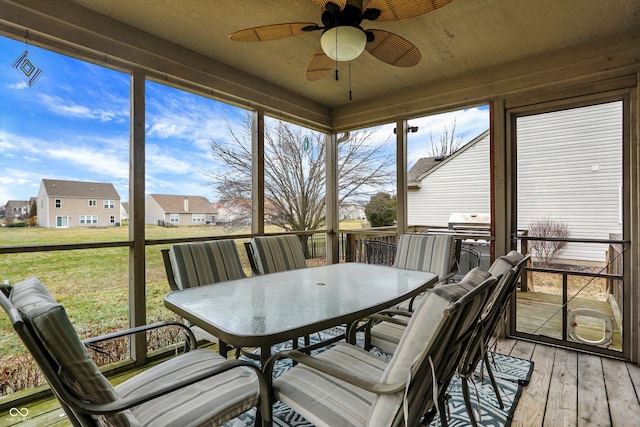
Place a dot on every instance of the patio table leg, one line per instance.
(265, 353)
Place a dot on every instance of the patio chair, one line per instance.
(385, 329)
(507, 268)
(278, 253)
(348, 386)
(202, 263)
(194, 388)
(436, 253)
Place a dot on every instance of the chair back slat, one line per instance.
(278, 253)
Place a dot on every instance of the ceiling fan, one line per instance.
(343, 39)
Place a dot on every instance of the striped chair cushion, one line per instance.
(278, 253)
(501, 267)
(210, 402)
(327, 401)
(417, 343)
(77, 370)
(426, 252)
(196, 264)
(504, 263)
(386, 335)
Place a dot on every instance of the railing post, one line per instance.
(350, 256)
(528, 274)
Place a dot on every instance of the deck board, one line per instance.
(563, 390)
(593, 408)
(531, 407)
(622, 398)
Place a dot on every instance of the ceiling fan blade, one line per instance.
(395, 10)
(273, 32)
(393, 49)
(319, 65)
(323, 3)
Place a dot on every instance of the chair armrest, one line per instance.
(395, 312)
(389, 319)
(91, 342)
(333, 370)
(187, 380)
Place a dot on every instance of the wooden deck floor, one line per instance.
(566, 389)
(569, 388)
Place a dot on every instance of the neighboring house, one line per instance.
(585, 193)
(66, 204)
(17, 210)
(161, 209)
(352, 210)
(458, 183)
(124, 211)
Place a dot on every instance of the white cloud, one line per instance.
(159, 161)
(93, 159)
(66, 107)
(18, 86)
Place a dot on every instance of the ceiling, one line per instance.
(462, 37)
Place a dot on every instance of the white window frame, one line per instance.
(60, 219)
(109, 204)
(174, 218)
(112, 219)
(198, 218)
(88, 219)
(93, 202)
(58, 203)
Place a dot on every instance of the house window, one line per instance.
(58, 203)
(174, 218)
(198, 218)
(109, 204)
(112, 219)
(62, 221)
(93, 202)
(88, 219)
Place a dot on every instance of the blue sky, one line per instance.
(73, 123)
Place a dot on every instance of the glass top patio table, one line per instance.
(261, 311)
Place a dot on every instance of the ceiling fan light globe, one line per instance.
(343, 43)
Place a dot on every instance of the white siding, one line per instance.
(152, 211)
(459, 184)
(570, 170)
(43, 208)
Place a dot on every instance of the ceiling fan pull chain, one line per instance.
(336, 56)
(350, 99)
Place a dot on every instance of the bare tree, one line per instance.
(295, 172)
(448, 143)
(547, 250)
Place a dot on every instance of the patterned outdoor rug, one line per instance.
(511, 375)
